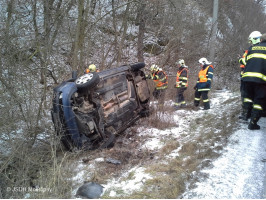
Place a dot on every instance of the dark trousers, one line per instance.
(254, 96)
(159, 95)
(205, 99)
(180, 96)
(242, 90)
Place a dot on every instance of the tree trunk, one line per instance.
(78, 36)
(124, 26)
(141, 22)
(114, 26)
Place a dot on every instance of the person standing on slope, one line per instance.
(242, 67)
(181, 84)
(203, 85)
(161, 81)
(254, 79)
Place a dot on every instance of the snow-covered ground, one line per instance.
(238, 173)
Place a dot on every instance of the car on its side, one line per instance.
(88, 111)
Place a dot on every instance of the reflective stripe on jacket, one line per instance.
(255, 69)
(205, 78)
(161, 79)
(182, 77)
(243, 62)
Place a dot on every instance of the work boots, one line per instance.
(245, 114)
(207, 106)
(255, 116)
(196, 103)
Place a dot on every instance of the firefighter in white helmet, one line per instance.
(181, 84)
(203, 85)
(254, 79)
(254, 37)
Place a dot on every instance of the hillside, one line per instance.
(43, 42)
(198, 154)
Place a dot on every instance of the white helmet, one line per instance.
(204, 61)
(254, 37)
(154, 67)
(181, 62)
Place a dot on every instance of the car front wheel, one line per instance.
(87, 80)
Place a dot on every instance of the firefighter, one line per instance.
(242, 67)
(161, 80)
(203, 85)
(91, 68)
(254, 79)
(181, 84)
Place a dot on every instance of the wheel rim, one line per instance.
(84, 79)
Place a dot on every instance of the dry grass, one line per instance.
(161, 187)
(28, 169)
(203, 141)
(207, 137)
(170, 145)
(161, 120)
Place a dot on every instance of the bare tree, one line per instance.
(141, 23)
(42, 41)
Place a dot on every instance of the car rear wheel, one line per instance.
(87, 80)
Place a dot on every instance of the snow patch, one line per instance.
(137, 178)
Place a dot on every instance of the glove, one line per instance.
(195, 87)
(208, 84)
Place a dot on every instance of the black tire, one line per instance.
(87, 81)
(137, 66)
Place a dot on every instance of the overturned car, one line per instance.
(90, 110)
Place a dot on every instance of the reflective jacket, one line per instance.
(161, 79)
(243, 62)
(255, 70)
(182, 77)
(205, 78)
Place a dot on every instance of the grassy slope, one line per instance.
(187, 141)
